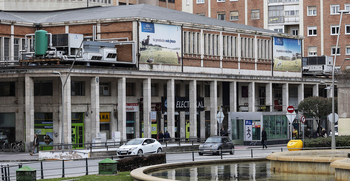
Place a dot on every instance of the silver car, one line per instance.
(216, 144)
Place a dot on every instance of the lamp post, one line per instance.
(335, 59)
(63, 85)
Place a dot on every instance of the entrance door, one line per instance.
(77, 136)
(237, 131)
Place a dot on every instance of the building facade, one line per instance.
(173, 71)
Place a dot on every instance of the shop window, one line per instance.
(7, 128)
(105, 123)
(7, 88)
(154, 90)
(43, 127)
(207, 90)
(244, 91)
(43, 88)
(78, 89)
(104, 89)
(130, 89)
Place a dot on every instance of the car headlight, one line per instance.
(200, 146)
(133, 148)
(214, 146)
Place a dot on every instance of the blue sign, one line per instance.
(147, 27)
(248, 122)
(279, 41)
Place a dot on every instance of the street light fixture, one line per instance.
(335, 59)
(63, 85)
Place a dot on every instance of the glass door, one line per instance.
(77, 135)
(237, 131)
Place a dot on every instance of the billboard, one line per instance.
(286, 54)
(160, 44)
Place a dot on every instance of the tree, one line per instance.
(317, 107)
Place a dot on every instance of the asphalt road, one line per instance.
(53, 169)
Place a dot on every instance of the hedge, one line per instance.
(341, 141)
(131, 163)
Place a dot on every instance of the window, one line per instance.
(275, 1)
(312, 51)
(347, 29)
(220, 0)
(200, 1)
(154, 89)
(7, 88)
(333, 50)
(347, 7)
(130, 89)
(78, 89)
(6, 49)
(334, 30)
(43, 88)
(104, 89)
(347, 49)
(278, 30)
(221, 16)
(291, 13)
(201, 14)
(234, 16)
(207, 90)
(335, 9)
(16, 48)
(295, 32)
(255, 14)
(312, 31)
(276, 14)
(244, 91)
(311, 11)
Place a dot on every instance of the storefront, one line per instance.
(43, 127)
(247, 126)
(78, 130)
(7, 127)
(105, 118)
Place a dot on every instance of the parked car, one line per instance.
(335, 129)
(216, 144)
(139, 146)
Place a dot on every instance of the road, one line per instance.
(53, 169)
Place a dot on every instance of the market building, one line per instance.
(140, 69)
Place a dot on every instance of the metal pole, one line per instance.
(62, 136)
(335, 59)
(42, 170)
(87, 171)
(62, 168)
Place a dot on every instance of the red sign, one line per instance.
(290, 109)
(302, 119)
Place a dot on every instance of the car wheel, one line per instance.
(200, 153)
(232, 151)
(219, 151)
(140, 152)
(159, 150)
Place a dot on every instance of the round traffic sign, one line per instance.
(303, 119)
(290, 109)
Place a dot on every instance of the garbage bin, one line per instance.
(293, 144)
(107, 166)
(26, 174)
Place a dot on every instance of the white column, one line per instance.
(66, 29)
(122, 107)
(12, 44)
(182, 127)
(300, 92)
(29, 107)
(213, 108)
(269, 96)
(138, 117)
(171, 107)
(95, 107)
(239, 53)
(146, 108)
(67, 119)
(20, 124)
(251, 97)
(193, 108)
(285, 96)
(233, 96)
(315, 90)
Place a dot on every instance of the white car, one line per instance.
(336, 131)
(139, 146)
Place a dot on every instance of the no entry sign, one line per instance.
(290, 109)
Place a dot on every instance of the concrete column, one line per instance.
(213, 108)
(171, 107)
(251, 97)
(138, 117)
(300, 92)
(233, 97)
(20, 124)
(122, 107)
(12, 43)
(193, 109)
(95, 107)
(202, 125)
(182, 127)
(66, 29)
(146, 108)
(285, 96)
(269, 96)
(29, 107)
(67, 119)
(315, 90)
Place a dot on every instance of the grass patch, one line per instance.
(122, 176)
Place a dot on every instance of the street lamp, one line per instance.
(63, 85)
(335, 59)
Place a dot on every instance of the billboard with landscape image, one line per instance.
(286, 54)
(160, 44)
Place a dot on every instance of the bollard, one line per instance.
(281, 149)
(90, 147)
(221, 153)
(112, 157)
(87, 170)
(42, 169)
(62, 168)
(192, 155)
(2, 173)
(8, 172)
(20, 165)
(251, 153)
(5, 173)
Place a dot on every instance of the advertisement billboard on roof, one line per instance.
(286, 54)
(159, 43)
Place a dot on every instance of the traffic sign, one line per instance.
(290, 109)
(303, 119)
(330, 117)
(220, 116)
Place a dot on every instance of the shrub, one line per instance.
(131, 163)
(340, 141)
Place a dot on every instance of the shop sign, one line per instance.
(248, 130)
(183, 104)
(131, 107)
(105, 117)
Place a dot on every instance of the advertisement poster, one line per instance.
(160, 44)
(286, 54)
(248, 130)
